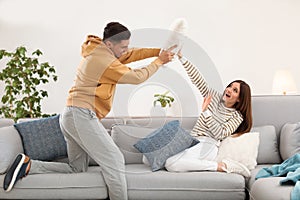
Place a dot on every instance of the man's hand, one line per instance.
(167, 55)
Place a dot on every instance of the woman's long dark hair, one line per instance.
(244, 107)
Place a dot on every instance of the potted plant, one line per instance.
(22, 76)
(164, 99)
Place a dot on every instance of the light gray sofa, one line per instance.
(270, 114)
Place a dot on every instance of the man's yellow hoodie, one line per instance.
(99, 71)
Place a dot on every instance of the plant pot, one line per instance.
(158, 111)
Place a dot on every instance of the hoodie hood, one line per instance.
(90, 44)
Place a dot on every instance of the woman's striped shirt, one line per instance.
(218, 121)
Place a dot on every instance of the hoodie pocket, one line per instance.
(105, 90)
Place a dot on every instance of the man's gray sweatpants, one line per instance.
(86, 137)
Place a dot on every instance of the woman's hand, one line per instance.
(206, 102)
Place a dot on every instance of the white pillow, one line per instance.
(243, 149)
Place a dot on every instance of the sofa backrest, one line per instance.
(278, 111)
(275, 110)
(267, 110)
(6, 122)
(270, 113)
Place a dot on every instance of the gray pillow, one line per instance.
(164, 143)
(42, 138)
(10, 147)
(289, 140)
(125, 136)
(268, 152)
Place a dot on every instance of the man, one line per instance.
(90, 99)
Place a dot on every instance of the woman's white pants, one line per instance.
(201, 157)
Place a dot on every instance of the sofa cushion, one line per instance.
(42, 138)
(125, 136)
(10, 147)
(243, 149)
(6, 122)
(289, 140)
(142, 183)
(268, 152)
(156, 122)
(108, 123)
(85, 185)
(269, 188)
(254, 172)
(164, 143)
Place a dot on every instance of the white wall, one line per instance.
(249, 40)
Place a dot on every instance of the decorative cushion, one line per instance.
(289, 140)
(42, 138)
(243, 149)
(268, 152)
(163, 143)
(10, 147)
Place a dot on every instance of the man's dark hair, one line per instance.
(114, 31)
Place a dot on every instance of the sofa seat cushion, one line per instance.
(145, 184)
(86, 185)
(269, 188)
(251, 180)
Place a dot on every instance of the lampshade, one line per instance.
(284, 83)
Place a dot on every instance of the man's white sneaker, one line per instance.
(236, 167)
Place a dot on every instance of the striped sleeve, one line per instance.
(195, 76)
(223, 130)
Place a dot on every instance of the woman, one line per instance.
(222, 115)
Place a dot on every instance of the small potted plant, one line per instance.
(164, 99)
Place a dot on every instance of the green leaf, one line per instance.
(37, 52)
(163, 99)
(21, 51)
(2, 53)
(52, 70)
(35, 62)
(36, 81)
(44, 94)
(4, 99)
(44, 80)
